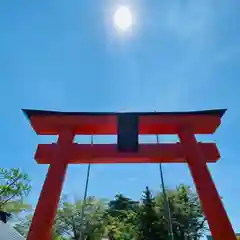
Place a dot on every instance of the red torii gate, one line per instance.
(127, 126)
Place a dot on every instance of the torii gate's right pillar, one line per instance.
(215, 213)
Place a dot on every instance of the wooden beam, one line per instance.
(107, 153)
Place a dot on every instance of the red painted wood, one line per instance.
(215, 213)
(64, 152)
(43, 219)
(107, 153)
(107, 124)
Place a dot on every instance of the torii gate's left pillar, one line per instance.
(43, 219)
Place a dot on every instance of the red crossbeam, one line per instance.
(52, 123)
(107, 153)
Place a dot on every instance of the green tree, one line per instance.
(117, 229)
(151, 225)
(125, 219)
(14, 186)
(122, 203)
(186, 212)
(69, 222)
(121, 218)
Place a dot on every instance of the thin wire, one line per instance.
(166, 202)
(81, 237)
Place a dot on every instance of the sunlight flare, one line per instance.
(123, 18)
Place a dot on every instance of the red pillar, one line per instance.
(215, 213)
(43, 219)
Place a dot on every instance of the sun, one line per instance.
(123, 18)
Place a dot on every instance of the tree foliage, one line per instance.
(121, 217)
(125, 219)
(14, 186)
(187, 217)
(70, 222)
(151, 224)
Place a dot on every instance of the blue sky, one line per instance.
(66, 55)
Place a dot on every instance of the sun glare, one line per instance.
(123, 18)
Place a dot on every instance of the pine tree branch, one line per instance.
(201, 225)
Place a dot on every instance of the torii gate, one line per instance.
(127, 127)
